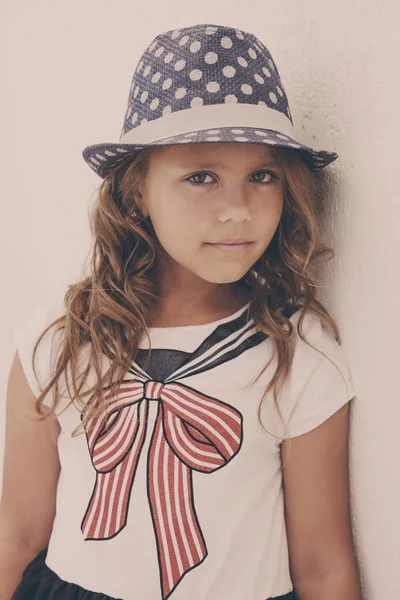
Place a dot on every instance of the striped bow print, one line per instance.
(192, 431)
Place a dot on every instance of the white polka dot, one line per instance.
(159, 51)
(134, 118)
(212, 86)
(146, 71)
(229, 71)
(156, 77)
(94, 160)
(266, 72)
(140, 65)
(237, 130)
(154, 104)
(258, 78)
(273, 97)
(271, 64)
(211, 58)
(252, 53)
(230, 98)
(183, 40)
(181, 141)
(278, 89)
(196, 102)
(166, 110)
(270, 142)
(135, 93)
(294, 145)
(195, 46)
(239, 34)
(191, 134)
(262, 103)
(109, 153)
(242, 61)
(226, 42)
(211, 30)
(143, 121)
(180, 92)
(167, 84)
(144, 96)
(175, 34)
(214, 138)
(246, 89)
(168, 57)
(195, 75)
(103, 158)
(241, 139)
(212, 131)
(261, 133)
(282, 137)
(129, 112)
(179, 65)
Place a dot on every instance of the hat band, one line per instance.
(209, 116)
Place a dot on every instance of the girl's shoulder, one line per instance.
(319, 351)
(317, 331)
(319, 381)
(28, 331)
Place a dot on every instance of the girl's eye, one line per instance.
(271, 178)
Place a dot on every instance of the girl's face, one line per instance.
(239, 193)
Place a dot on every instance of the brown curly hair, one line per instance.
(108, 310)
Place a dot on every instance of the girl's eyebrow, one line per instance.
(207, 165)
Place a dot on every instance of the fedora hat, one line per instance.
(204, 83)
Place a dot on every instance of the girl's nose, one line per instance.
(235, 205)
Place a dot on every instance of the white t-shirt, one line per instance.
(188, 502)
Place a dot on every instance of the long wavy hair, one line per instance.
(111, 307)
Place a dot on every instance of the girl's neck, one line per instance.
(170, 315)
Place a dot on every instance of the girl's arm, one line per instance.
(316, 491)
(30, 476)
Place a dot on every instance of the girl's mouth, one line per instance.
(232, 247)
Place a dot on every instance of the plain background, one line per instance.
(66, 70)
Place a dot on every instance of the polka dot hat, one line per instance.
(204, 83)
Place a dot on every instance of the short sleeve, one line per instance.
(319, 384)
(25, 337)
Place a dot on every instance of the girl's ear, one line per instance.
(139, 199)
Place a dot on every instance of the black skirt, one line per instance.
(39, 582)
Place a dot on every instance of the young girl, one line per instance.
(193, 391)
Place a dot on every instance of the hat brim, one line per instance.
(103, 157)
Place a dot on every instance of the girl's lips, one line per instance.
(232, 247)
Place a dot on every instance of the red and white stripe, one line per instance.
(192, 431)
